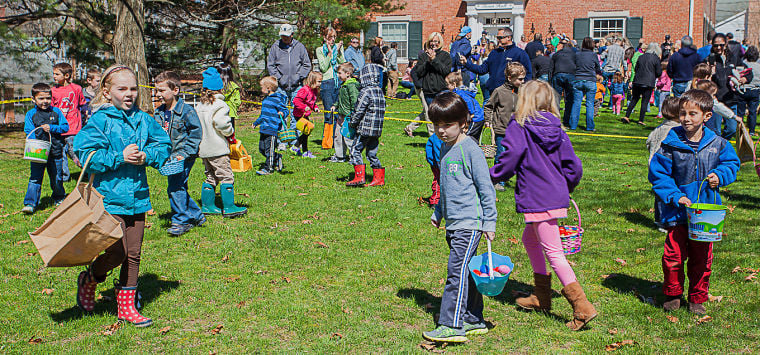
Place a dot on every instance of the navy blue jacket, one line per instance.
(532, 47)
(53, 117)
(184, 128)
(496, 64)
(564, 61)
(463, 47)
(586, 65)
(676, 170)
(681, 64)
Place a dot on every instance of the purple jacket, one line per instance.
(542, 157)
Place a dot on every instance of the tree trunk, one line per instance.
(129, 45)
(229, 45)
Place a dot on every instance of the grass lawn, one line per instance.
(317, 267)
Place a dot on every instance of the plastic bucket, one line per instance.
(706, 222)
(486, 285)
(37, 150)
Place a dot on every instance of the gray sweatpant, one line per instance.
(371, 144)
(461, 301)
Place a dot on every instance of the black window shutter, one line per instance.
(371, 34)
(634, 30)
(581, 29)
(415, 38)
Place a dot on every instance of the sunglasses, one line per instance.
(354, 41)
(719, 45)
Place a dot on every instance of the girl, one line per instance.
(304, 104)
(617, 90)
(214, 149)
(663, 88)
(121, 140)
(231, 90)
(539, 152)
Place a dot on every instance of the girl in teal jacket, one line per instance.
(119, 140)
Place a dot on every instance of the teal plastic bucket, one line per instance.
(706, 220)
(486, 285)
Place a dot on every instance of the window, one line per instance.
(603, 27)
(396, 33)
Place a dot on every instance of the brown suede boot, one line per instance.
(541, 299)
(583, 310)
(672, 303)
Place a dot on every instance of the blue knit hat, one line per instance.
(212, 80)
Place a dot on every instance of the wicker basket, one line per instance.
(488, 149)
(571, 236)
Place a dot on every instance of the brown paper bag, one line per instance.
(745, 148)
(79, 229)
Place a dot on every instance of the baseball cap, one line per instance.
(465, 30)
(286, 29)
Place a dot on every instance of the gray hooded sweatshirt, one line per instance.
(289, 64)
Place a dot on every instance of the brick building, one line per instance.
(650, 20)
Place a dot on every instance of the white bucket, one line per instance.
(37, 150)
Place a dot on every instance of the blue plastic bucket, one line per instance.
(485, 285)
(706, 220)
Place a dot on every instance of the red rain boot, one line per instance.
(358, 176)
(86, 285)
(127, 311)
(378, 177)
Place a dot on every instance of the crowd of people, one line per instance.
(104, 129)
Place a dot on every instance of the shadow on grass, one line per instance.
(646, 291)
(640, 219)
(514, 289)
(742, 200)
(422, 298)
(150, 286)
(416, 144)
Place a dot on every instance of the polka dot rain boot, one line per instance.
(127, 311)
(86, 285)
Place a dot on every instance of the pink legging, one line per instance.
(543, 238)
(617, 103)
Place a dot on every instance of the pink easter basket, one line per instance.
(571, 236)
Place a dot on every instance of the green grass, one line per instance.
(376, 283)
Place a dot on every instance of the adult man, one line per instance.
(354, 55)
(705, 51)
(391, 68)
(498, 59)
(564, 76)
(666, 47)
(681, 65)
(614, 61)
(461, 47)
(734, 48)
(289, 62)
(534, 46)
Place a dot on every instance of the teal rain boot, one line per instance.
(229, 210)
(208, 197)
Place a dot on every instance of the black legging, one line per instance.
(303, 142)
(643, 92)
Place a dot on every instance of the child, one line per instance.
(121, 140)
(600, 91)
(701, 71)
(231, 90)
(367, 119)
(539, 152)
(689, 155)
(617, 90)
(719, 109)
(274, 108)
(182, 124)
(433, 157)
(468, 204)
(214, 149)
(93, 81)
(304, 104)
(348, 94)
(670, 109)
(69, 98)
(455, 83)
(52, 123)
(663, 86)
(501, 105)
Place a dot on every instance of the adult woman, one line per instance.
(432, 67)
(376, 55)
(723, 62)
(648, 69)
(483, 78)
(329, 55)
(751, 97)
(586, 69)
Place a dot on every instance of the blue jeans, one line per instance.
(54, 169)
(608, 75)
(68, 150)
(291, 94)
(563, 84)
(499, 148)
(730, 125)
(663, 95)
(372, 145)
(329, 92)
(544, 77)
(408, 85)
(186, 211)
(581, 88)
(486, 93)
(679, 88)
(714, 123)
(749, 101)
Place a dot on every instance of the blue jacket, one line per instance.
(681, 64)
(109, 130)
(58, 125)
(433, 151)
(463, 47)
(473, 106)
(676, 170)
(184, 128)
(272, 106)
(355, 57)
(617, 89)
(496, 64)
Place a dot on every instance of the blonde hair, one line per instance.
(454, 78)
(327, 32)
(346, 68)
(535, 96)
(207, 96)
(107, 80)
(432, 36)
(313, 80)
(514, 70)
(269, 83)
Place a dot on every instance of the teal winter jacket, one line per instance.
(109, 130)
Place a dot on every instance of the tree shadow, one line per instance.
(416, 144)
(150, 286)
(639, 218)
(742, 200)
(646, 291)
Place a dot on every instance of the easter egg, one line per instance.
(484, 269)
(476, 272)
(504, 269)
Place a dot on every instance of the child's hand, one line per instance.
(684, 201)
(332, 109)
(140, 156)
(435, 223)
(179, 158)
(490, 235)
(307, 109)
(713, 180)
(129, 153)
(46, 128)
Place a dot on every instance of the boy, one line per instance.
(348, 94)
(720, 110)
(501, 105)
(689, 155)
(455, 83)
(468, 204)
(274, 108)
(367, 120)
(93, 82)
(68, 97)
(52, 123)
(184, 128)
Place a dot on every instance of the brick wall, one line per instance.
(753, 22)
(434, 14)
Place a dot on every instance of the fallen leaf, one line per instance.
(165, 330)
(217, 330)
(376, 200)
(712, 298)
(352, 223)
(513, 240)
(639, 250)
(321, 245)
(306, 221)
(226, 257)
(148, 225)
(47, 291)
(347, 311)
(336, 336)
(621, 172)
(736, 269)
(704, 319)
(31, 254)
(241, 304)
(34, 340)
(651, 210)
(621, 261)
(110, 329)
(672, 319)
(303, 194)
(442, 281)
(572, 263)
(599, 210)
(730, 208)
(104, 298)
(751, 277)
(244, 194)
(22, 242)
(260, 272)
(617, 345)
(399, 224)
(286, 279)
(284, 204)
(630, 230)
(370, 217)
(605, 276)
(430, 346)
(612, 331)
(151, 212)
(649, 319)
(232, 278)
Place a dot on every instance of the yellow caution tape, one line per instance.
(603, 135)
(15, 101)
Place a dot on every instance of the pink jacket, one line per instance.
(663, 82)
(305, 97)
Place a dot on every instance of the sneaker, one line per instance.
(697, 308)
(199, 222)
(499, 187)
(279, 166)
(27, 209)
(474, 328)
(58, 203)
(334, 159)
(446, 334)
(282, 146)
(672, 303)
(179, 229)
(408, 132)
(263, 172)
(308, 154)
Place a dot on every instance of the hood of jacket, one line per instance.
(351, 81)
(370, 75)
(546, 129)
(280, 96)
(687, 51)
(465, 90)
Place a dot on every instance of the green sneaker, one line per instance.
(446, 334)
(474, 328)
